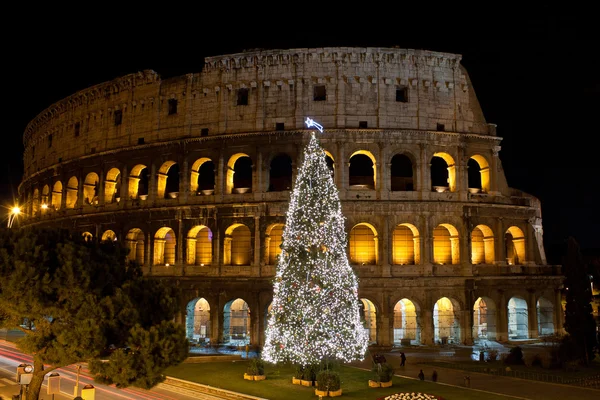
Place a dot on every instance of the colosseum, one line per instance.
(193, 173)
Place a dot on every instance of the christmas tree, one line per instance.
(315, 310)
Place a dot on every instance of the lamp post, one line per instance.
(76, 391)
(16, 210)
(24, 375)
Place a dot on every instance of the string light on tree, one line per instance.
(316, 310)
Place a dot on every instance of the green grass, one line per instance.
(278, 385)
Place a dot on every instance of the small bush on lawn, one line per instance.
(515, 356)
(328, 380)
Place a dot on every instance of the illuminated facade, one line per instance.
(193, 174)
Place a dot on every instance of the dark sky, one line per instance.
(535, 70)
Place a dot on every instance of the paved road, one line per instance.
(10, 358)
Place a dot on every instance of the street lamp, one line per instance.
(24, 375)
(16, 210)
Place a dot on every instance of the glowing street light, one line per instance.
(14, 212)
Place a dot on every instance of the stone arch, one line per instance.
(202, 176)
(446, 321)
(197, 320)
(167, 180)
(280, 173)
(57, 195)
(402, 173)
(136, 242)
(518, 320)
(407, 328)
(482, 245)
(45, 200)
(72, 188)
(236, 323)
(138, 181)
(446, 246)
(237, 246)
(514, 242)
(239, 174)
(87, 236)
(362, 173)
(109, 235)
(273, 240)
(406, 245)
(164, 246)
(35, 205)
(484, 319)
(363, 242)
(112, 186)
(443, 172)
(90, 188)
(478, 173)
(369, 319)
(330, 162)
(199, 246)
(545, 317)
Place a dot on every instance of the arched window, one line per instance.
(369, 319)
(138, 182)
(518, 320)
(109, 235)
(164, 247)
(112, 186)
(72, 187)
(202, 179)
(238, 249)
(198, 321)
(446, 245)
(482, 245)
(402, 173)
(362, 170)
(446, 321)
(363, 244)
(545, 317)
(136, 243)
(478, 174)
(236, 323)
(239, 174)
(406, 323)
(280, 173)
(167, 185)
(484, 319)
(514, 241)
(406, 245)
(90, 188)
(199, 246)
(57, 195)
(443, 173)
(273, 242)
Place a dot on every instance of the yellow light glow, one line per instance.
(44, 206)
(15, 210)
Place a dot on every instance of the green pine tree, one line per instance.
(315, 310)
(79, 297)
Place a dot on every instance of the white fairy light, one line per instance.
(315, 312)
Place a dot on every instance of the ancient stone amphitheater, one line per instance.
(193, 174)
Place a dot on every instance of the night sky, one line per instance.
(535, 70)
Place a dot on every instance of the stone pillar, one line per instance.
(427, 334)
(184, 181)
(152, 184)
(256, 261)
(500, 248)
(221, 173)
(341, 171)
(532, 319)
(466, 327)
(149, 261)
(80, 201)
(100, 192)
(180, 243)
(124, 184)
(423, 170)
(494, 170)
(502, 318)
(255, 321)
(385, 246)
(426, 244)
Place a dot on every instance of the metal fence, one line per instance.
(591, 381)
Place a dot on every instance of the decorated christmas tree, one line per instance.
(315, 311)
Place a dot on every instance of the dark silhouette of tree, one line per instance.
(82, 298)
(579, 321)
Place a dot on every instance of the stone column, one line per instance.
(80, 201)
(494, 170)
(423, 170)
(501, 319)
(532, 319)
(149, 261)
(341, 171)
(255, 321)
(180, 242)
(124, 184)
(427, 334)
(221, 173)
(500, 249)
(385, 241)
(184, 181)
(152, 184)
(100, 187)
(558, 312)
(256, 262)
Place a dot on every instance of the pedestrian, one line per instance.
(434, 376)
(403, 358)
(421, 375)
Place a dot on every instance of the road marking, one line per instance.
(9, 381)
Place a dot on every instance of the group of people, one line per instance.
(421, 375)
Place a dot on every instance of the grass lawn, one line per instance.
(278, 385)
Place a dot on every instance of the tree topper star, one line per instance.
(309, 122)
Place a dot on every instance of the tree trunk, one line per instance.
(35, 387)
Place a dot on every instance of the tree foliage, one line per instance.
(80, 297)
(579, 320)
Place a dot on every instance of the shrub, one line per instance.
(256, 367)
(383, 372)
(515, 356)
(379, 358)
(328, 380)
(298, 371)
(536, 361)
(310, 372)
